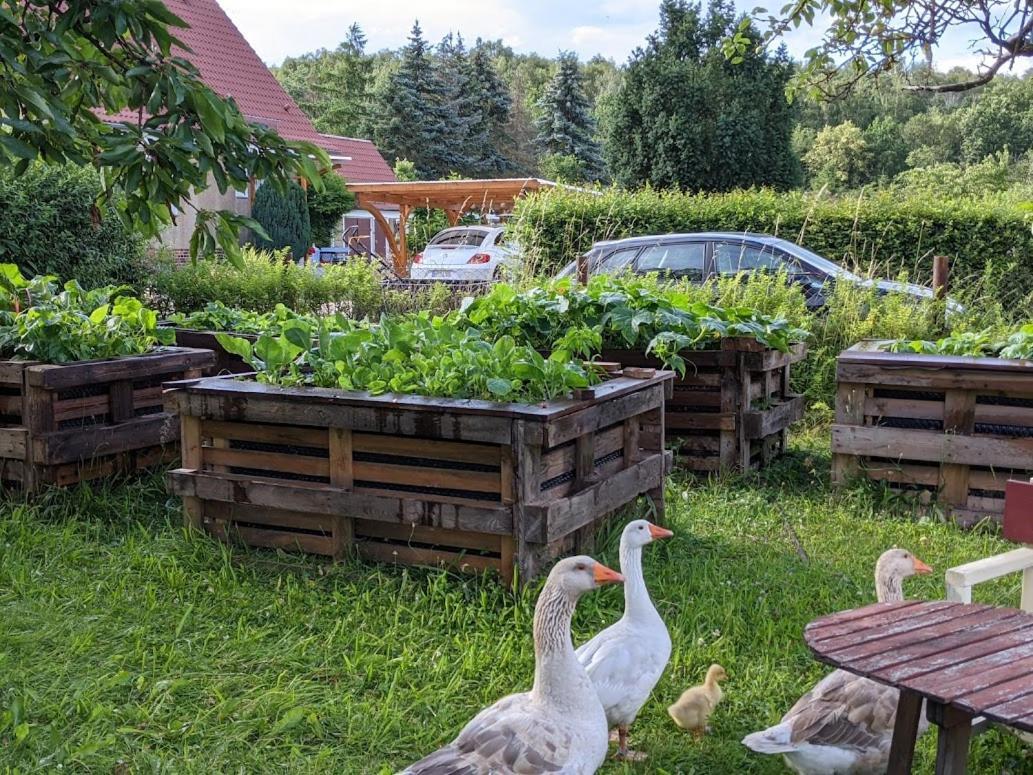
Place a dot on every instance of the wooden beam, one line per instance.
(383, 223)
(401, 258)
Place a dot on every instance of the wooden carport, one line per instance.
(455, 197)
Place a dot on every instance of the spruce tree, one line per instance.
(409, 122)
(565, 124)
(460, 111)
(486, 89)
(285, 218)
(686, 117)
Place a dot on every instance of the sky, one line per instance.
(613, 28)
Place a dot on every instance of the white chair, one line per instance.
(961, 579)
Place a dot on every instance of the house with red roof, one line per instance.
(231, 68)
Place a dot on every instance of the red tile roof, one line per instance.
(359, 160)
(231, 68)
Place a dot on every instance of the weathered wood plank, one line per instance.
(563, 517)
(171, 360)
(325, 499)
(932, 446)
(79, 444)
(411, 555)
(760, 423)
(12, 442)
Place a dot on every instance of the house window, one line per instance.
(240, 194)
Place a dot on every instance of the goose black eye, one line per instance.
(580, 566)
(640, 527)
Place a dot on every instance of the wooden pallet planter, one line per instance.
(62, 424)
(732, 409)
(225, 362)
(475, 485)
(951, 429)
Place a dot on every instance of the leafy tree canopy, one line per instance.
(685, 117)
(68, 64)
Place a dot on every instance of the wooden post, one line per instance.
(940, 272)
(582, 269)
(732, 404)
(403, 239)
(530, 555)
(952, 739)
(342, 475)
(905, 732)
(850, 398)
(38, 419)
(190, 446)
(584, 461)
(940, 282)
(959, 416)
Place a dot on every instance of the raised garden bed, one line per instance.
(472, 484)
(953, 429)
(61, 424)
(732, 409)
(225, 362)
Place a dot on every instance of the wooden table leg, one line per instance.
(905, 732)
(953, 735)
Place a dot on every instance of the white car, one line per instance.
(464, 253)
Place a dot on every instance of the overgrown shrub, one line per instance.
(326, 207)
(268, 278)
(47, 227)
(284, 216)
(553, 227)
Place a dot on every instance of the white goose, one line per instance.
(626, 660)
(844, 725)
(557, 727)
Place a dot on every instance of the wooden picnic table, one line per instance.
(962, 660)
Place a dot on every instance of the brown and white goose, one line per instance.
(557, 727)
(844, 725)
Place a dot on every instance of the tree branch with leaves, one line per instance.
(106, 83)
(864, 38)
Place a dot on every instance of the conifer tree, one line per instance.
(460, 111)
(285, 218)
(565, 125)
(486, 89)
(410, 124)
(686, 117)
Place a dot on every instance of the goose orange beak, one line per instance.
(921, 567)
(604, 575)
(659, 532)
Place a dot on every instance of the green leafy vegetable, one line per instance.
(43, 321)
(416, 354)
(619, 312)
(1017, 344)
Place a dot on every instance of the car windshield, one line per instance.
(818, 262)
(459, 239)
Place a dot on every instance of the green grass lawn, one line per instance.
(128, 646)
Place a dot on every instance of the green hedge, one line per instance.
(555, 226)
(47, 226)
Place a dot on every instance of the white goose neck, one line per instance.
(557, 670)
(637, 604)
(888, 589)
